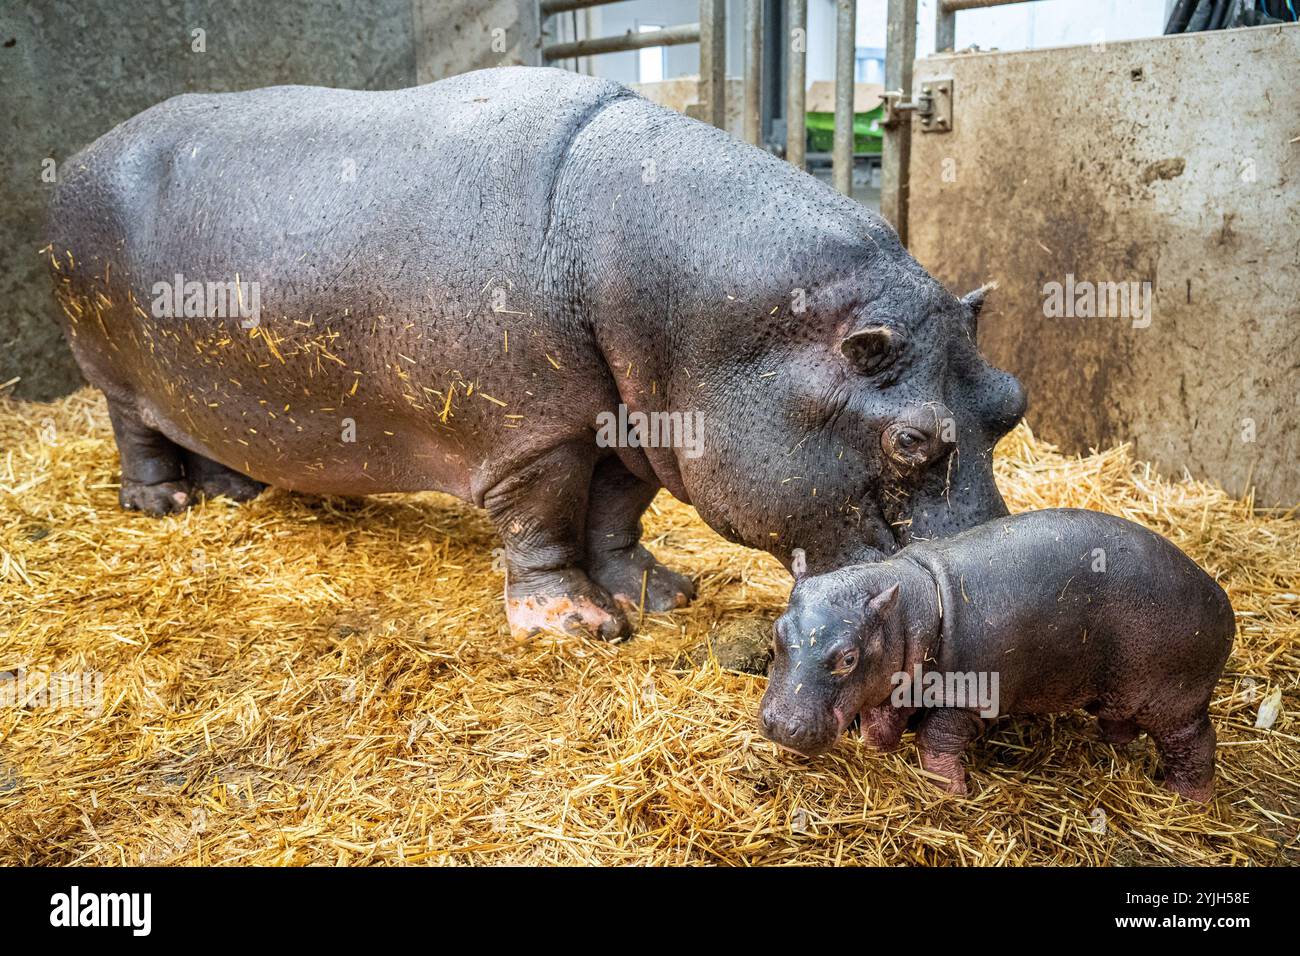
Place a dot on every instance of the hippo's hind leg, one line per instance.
(942, 738)
(1187, 753)
(540, 512)
(616, 559)
(153, 477)
(1117, 731)
(212, 479)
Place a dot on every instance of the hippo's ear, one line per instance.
(974, 304)
(798, 563)
(871, 350)
(882, 605)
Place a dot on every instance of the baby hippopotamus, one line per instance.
(1036, 613)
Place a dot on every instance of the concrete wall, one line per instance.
(1169, 161)
(70, 70)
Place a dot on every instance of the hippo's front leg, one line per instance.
(882, 726)
(942, 737)
(540, 512)
(616, 559)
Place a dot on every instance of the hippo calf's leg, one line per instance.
(212, 479)
(1117, 731)
(153, 477)
(942, 738)
(616, 559)
(540, 512)
(1187, 753)
(882, 727)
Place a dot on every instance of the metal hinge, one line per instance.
(933, 107)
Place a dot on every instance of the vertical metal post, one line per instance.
(896, 150)
(945, 28)
(713, 61)
(753, 71)
(845, 48)
(796, 116)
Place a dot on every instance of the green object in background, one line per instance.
(867, 135)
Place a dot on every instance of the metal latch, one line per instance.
(933, 107)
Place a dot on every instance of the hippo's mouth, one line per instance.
(842, 721)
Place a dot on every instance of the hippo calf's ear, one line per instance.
(798, 563)
(883, 603)
(871, 350)
(974, 303)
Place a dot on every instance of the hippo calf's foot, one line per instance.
(1187, 754)
(942, 737)
(633, 576)
(948, 766)
(1117, 731)
(211, 479)
(563, 602)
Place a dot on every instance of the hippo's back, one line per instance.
(1078, 598)
(401, 249)
(278, 171)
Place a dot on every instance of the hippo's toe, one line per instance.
(163, 498)
(565, 602)
(632, 575)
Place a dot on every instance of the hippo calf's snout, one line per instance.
(802, 732)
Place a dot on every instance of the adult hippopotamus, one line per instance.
(454, 287)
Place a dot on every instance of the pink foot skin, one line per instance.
(565, 611)
(949, 767)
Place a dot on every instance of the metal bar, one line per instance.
(669, 36)
(796, 116)
(896, 150)
(713, 61)
(945, 29)
(842, 153)
(754, 71)
(549, 7)
(952, 6)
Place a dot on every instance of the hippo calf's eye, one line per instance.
(847, 661)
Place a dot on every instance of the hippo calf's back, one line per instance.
(1073, 606)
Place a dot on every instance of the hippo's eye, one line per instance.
(848, 660)
(908, 438)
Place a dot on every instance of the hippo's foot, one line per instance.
(630, 573)
(948, 767)
(162, 498)
(942, 736)
(1117, 731)
(563, 602)
(1188, 758)
(882, 727)
(211, 479)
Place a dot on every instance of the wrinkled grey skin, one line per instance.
(516, 251)
(1140, 644)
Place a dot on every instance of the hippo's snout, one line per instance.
(802, 733)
